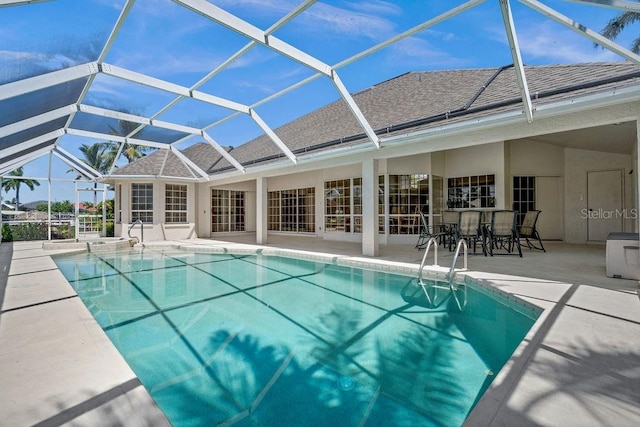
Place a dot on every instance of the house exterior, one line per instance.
(457, 139)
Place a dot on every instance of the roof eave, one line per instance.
(542, 110)
(113, 178)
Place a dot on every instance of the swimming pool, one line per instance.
(222, 339)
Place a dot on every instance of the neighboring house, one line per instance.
(454, 139)
(31, 206)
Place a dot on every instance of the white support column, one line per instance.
(77, 212)
(104, 210)
(1, 200)
(261, 210)
(430, 198)
(636, 171)
(370, 235)
(49, 198)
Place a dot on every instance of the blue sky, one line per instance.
(165, 40)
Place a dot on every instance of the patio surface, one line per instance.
(578, 366)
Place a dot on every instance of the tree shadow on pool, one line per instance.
(336, 377)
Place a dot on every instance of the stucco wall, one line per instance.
(479, 160)
(157, 230)
(409, 165)
(534, 158)
(635, 179)
(577, 164)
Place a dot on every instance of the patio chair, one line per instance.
(448, 227)
(503, 232)
(470, 229)
(427, 232)
(529, 232)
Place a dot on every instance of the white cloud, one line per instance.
(326, 19)
(547, 42)
(376, 7)
(258, 7)
(416, 53)
(365, 18)
(18, 65)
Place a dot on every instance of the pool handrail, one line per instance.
(431, 241)
(136, 222)
(451, 274)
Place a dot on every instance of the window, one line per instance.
(337, 207)
(292, 210)
(408, 196)
(175, 204)
(227, 211)
(478, 191)
(524, 195)
(357, 205)
(381, 198)
(142, 203)
(343, 205)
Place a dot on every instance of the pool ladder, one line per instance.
(136, 222)
(451, 275)
(432, 241)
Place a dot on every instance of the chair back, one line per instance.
(450, 217)
(469, 223)
(529, 223)
(424, 221)
(503, 223)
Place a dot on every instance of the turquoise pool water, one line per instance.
(255, 340)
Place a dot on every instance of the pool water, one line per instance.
(254, 340)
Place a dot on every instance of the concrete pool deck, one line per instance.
(578, 366)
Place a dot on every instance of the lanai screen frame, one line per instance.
(21, 152)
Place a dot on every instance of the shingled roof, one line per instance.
(411, 101)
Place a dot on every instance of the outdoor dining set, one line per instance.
(497, 232)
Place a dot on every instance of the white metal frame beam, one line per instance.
(355, 110)
(613, 4)
(161, 124)
(238, 54)
(581, 29)
(182, 91)
(32, 84)
(240, 26)
(77, 164)
(124, 13)
(115, 138)
(4, 3)
(26, 145)
(189, 163)
(256, 36)
(98, 111)
(201, 96)
(421, 27)
(224, 153)
(521, 77)
(236, 24)
(273, 136)
(23, 160)
(34, 121)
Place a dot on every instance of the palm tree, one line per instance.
(130, 151)
(96, 156)
(615, 26)
(16, 182)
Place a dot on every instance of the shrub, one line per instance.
(6, 233)
(110, 229)
(27, 231)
